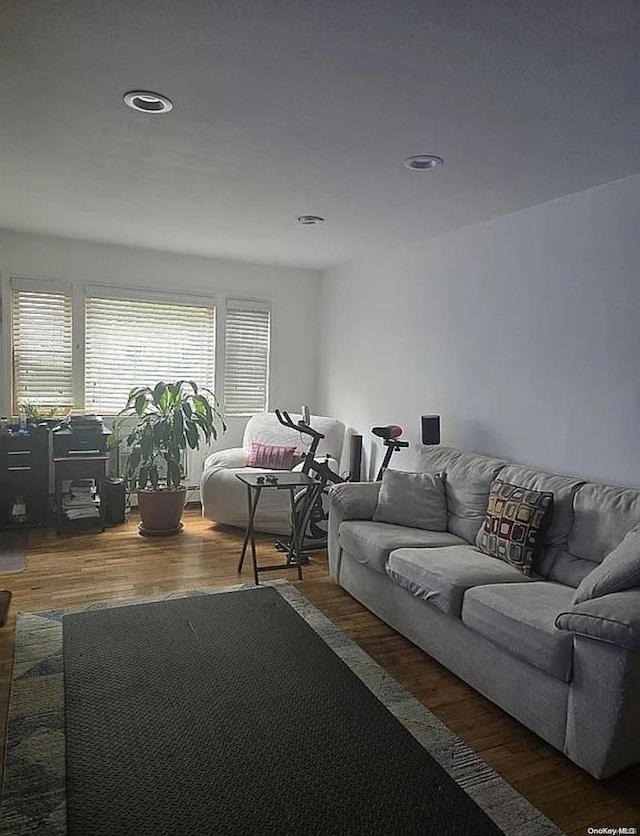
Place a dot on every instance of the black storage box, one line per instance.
(113, 501)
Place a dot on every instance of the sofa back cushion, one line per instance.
(468, 478)
(588, 520)
(602, 516)
(556, 536)
(620, 570)
(563, 489)
(413, 499)
(265, 428)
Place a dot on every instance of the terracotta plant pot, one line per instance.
(161, 511)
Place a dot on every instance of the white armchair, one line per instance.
(224, 498)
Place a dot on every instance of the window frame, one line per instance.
(82, 290)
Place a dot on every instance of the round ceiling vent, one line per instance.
(147, 102)
(310, 220)
(422, 162)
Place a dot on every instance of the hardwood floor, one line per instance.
(118, 564)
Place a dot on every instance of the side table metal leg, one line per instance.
(254, 559)
(249, 536)
(299, 528)
(58, 503)
(247, 532)
(293, 555)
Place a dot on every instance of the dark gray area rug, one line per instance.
(231, 714)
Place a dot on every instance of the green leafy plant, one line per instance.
(34, 413)
(158, 424)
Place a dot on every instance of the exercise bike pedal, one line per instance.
(283, 546)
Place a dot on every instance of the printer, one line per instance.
(80, 434)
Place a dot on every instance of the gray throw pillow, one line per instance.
(416, 500)
(619, 570)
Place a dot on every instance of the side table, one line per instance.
(284, 481)
(73, 467)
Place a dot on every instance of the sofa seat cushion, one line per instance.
(520, 618)
(371, 542)
(441, 576)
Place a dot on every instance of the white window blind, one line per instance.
(246, 362)
(138, 343)
(42, 347)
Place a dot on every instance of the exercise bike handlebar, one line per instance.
(395, 443)
(287, 421)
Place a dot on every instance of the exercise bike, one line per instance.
(390, 436)
(310, 510)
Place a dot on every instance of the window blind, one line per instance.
(246, 362)
(42, 346)
(138, 343)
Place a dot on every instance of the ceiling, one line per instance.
(289, 107)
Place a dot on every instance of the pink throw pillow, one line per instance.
(272, 456)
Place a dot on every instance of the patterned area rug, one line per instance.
(34, 797)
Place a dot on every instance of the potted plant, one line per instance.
(35, 414)
(158, 424)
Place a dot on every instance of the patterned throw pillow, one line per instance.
(273, 456)
(515, 524)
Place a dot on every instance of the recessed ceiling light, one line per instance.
(422, 162)
(310, 220)
(147, 102)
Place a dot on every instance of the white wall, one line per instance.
(293, 294)
(523, 333)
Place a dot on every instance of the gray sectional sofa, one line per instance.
(569, 671)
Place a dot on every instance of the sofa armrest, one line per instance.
(348, 501)
(355, 500)
(613, 618)
(232, 457)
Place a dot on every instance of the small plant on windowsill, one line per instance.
(34, 414)
(158, 424)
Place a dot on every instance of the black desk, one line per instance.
(256, 483)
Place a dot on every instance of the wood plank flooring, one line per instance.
(118, 564)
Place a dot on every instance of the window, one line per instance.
(136, 343)
(247, 343)
(42, 347)
(85, 347)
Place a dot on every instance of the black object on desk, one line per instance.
(256, 483)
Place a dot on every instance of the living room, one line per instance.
(496, 286)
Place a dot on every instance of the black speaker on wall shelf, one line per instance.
(430, 429)
(355, 458)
